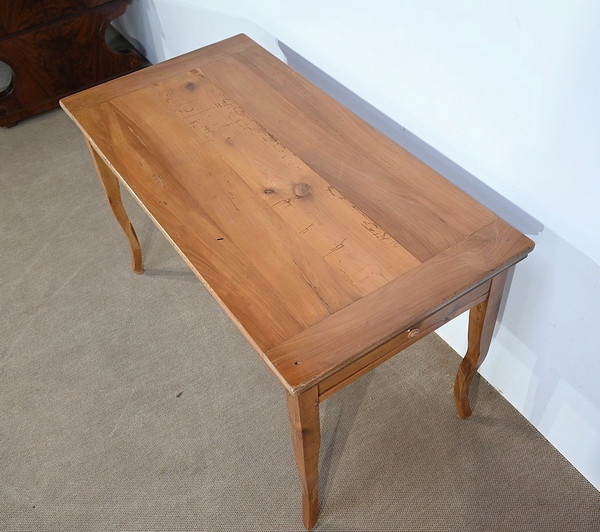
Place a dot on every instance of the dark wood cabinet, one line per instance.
(54, 48)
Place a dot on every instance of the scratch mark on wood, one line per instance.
(336, 248)
(232, 197)
(287, 201)
(226, 102)
(312, 286)
(334, 192)
(270, 138)
(187, 109)
(359, 210)
(373, 228)
(136, 136)
(306, 229)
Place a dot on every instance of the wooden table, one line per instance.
(329, 246)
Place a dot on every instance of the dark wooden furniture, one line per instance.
(55, 48)
(329, 246)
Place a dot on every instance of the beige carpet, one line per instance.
(131, 403)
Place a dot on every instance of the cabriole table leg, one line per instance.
(482, 319)
(306, 437)
(110, 183)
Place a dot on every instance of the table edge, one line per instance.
(306, 343)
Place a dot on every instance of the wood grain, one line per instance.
(338, 340)
(482, 319)
(112, 191)
(342, 235)
(329, 246)
(425, 223)
(306, 439)
(300, 235)
(154, 74)
(347, 375)
(243, 291)
(319, 236)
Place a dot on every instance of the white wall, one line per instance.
(508, 92)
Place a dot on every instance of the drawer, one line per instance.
(385, 351)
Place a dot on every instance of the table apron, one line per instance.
(385, 351)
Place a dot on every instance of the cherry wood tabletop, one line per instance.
(328, 245)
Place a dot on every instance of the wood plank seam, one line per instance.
(282, 355)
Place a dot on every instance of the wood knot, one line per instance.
(301, 190)
(190, 85)
(269, 191)
(413, 332)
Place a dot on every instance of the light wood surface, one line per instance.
(328, 245)
(306, 439)
(320, 350)
(340, 379)
(112, 191)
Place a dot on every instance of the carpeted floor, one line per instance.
(132, 403)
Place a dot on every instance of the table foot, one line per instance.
(110, 183)
(306, 437)
(482, 319)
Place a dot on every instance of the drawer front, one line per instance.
(385, 351)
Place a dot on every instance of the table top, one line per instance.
(319, 236)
